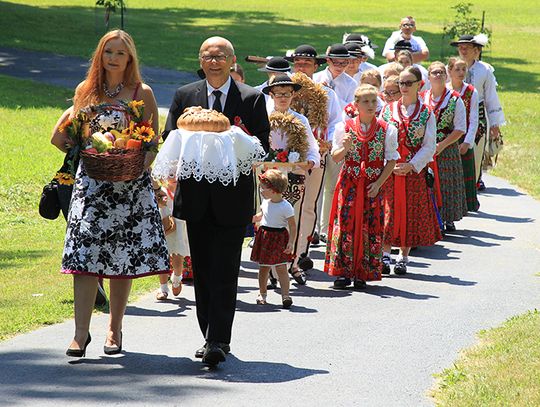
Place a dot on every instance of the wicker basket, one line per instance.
(118, 165)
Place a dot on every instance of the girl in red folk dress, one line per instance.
(449, 112)
(369, 147)
(457, 69)
(410, 218)
(273, 243)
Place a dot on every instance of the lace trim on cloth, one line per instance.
(213, 156)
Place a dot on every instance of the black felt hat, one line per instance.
(338, 51)
(403, 44)
(280, 80)
(306, 51)
(359, 39)
(354, 49)
(480, 39)
(276, 64)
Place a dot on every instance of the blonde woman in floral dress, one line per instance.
(114, 228)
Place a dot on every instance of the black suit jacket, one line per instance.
(231, 205)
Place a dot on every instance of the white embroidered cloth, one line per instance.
(202, 154)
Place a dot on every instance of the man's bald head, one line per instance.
(219, 42)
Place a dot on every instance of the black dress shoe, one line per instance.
(385, 265)
(298, 276)
(450, 226)
(79, 353)
(342, 282)
(213, 354)
(225, 347)
(113, 350)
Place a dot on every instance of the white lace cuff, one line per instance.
(213, 156)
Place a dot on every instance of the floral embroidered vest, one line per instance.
(466, 97)
(445, 117)
(366, 156)
(416, 130)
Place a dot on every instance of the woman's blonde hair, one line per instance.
(91, 90)
(363, 90)
(371, 73)
(453, 61)
(392, 69)
(392, 80)
(436, 64)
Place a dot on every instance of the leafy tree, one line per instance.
(110, 7)
(464, 23)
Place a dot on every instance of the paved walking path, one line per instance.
(379, 347)
(68, 71)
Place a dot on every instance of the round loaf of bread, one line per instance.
(198, 119)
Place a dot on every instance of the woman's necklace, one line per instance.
(115, 92)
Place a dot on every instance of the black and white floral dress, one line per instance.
(114, 229)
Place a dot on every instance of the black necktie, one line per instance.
(217, 101)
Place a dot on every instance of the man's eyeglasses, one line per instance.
(217, 58)
(406, 84)
(408, 25)
(339, 63)
(282, 95)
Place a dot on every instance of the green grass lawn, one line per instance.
(33, 293)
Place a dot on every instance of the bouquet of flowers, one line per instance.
(283, 156)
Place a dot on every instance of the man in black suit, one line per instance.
(217, 215)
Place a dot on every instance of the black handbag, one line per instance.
(49, 204)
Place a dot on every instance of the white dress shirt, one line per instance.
(224, 89)
(343, 85)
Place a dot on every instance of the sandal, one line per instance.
(261, 299)
(176, 287)
(299, 276)
(161, 295)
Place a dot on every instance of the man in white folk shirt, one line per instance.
(480, 75)
(407, 27)
(360, 47)
(335, 77)
(306, 60)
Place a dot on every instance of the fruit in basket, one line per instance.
(120, 143)
(91, 150)
(118, 135)
(134, 144)
(100, 142)
(110, 136)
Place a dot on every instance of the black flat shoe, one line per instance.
(113, 350)
(385, 265)
(199, 353)
(315, 239)
(287, 302)
(342, 282)
(213, 354)
(359, 284)
(79, 353)
(450, 227)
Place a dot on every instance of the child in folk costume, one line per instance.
(410, 218)
(457, 69)
(355, 233)
(273, 243)
(449, 112)
(290, 131)
(370, 77)
(177, 243)
(391, 92)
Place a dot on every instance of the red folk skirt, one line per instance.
(420, 223)
(269, 247)
(354, 247)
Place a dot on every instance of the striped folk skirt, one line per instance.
(454, 202)
(467, 162)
